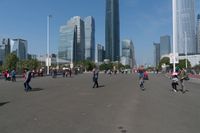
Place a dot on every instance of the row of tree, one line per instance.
(181, 64)
(12, 62)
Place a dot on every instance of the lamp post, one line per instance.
(186, 58)
(48, 42)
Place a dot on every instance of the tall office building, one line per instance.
(128, 53)
(72, 40)
(184, 26)
(165, 45)
(156, 54)
(20, 48)
(2, 54)
(198, 34)
(100, 53)
(112, 30)
(89, 38)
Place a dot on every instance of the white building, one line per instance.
(184, 26)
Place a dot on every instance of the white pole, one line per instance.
(174, 33)
(48, 42)
(186, 63)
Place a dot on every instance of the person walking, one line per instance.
(141, 77)
(13, 75)
(27, 80)
(95, 78)
(174, 81)
(182, 76)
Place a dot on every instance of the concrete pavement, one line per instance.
(71, 105)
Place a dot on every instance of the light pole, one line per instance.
(48, 42)
(186, 63)
(174, 33)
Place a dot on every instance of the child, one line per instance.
(174, 82)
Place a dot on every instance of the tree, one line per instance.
(88, 65)
(105, 66)
(164, 60)
(11, 62)
(182, 63)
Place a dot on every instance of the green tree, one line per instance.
(182, 63)
(88, 65)
(164, 60)
(105, 66)
(11, 62)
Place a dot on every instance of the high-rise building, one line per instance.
(184, 26)
(100, 53)
(165, 45)
(89, 38)
(2, 54)
(156, 54)
(72, 40)
(20, 48)
(128, 53)
(198, 34)
(112, 30)
(68, 43)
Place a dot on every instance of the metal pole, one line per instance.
(186, 63)
(48, 42)
(174, 33)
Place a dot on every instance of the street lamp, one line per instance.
(48, 42)
(186, 58)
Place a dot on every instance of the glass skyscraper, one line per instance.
(184, 26)
(165, 47)
(112, 30)
(20, 48)
(156, 53)
(89, 38)
(72, 40)
(128, 53)
(198, 34)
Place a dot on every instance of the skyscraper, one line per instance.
(72, 40)
(89, 38)
(20, 48)
(156, 53)
(165, 47)
(184, 26)
(112, 30)
(99, 53)
(128, 53)
(198, 34)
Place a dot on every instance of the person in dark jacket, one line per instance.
(27, 80)
(95, 78)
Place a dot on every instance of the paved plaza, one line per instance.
(71, 105)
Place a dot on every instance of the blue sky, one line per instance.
(143, 21)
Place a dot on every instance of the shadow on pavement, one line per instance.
(101, 86)
(36, 89)
(3, 103)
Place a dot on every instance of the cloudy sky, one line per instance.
(143, 21)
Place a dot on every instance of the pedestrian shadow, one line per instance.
(3, 103)
(101, 86)
(36, 89)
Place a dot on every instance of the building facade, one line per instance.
(198, 33)
(20, 48)
(89, 38)
(165, 45)
(156, 54)
(72, 40)
(100, 53)
(128, 53)
(112, 30)
(184, 26)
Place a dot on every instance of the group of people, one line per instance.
(179, 76)
(10, 76)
